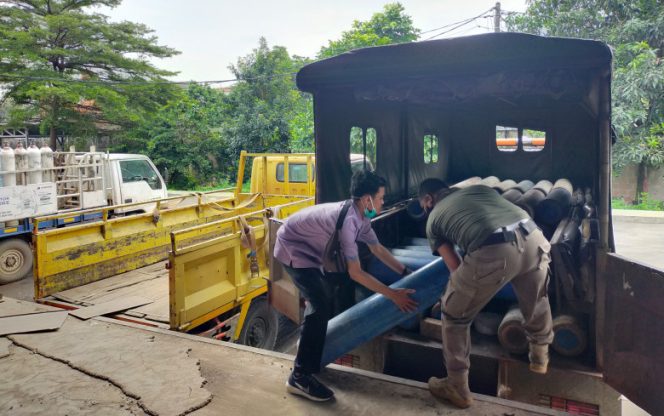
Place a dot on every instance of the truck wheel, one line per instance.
(15, 260)
(261, 326)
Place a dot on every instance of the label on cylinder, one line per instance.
(17, 202)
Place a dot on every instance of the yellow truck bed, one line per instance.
(149, 282)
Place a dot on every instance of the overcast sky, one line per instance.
(211, 34)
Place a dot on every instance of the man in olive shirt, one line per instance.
(501, 244)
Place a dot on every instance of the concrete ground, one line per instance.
(639, 235)
(77, 370)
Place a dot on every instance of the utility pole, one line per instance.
(496, 18)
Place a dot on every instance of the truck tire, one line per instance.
(15, 260)
(261, 326)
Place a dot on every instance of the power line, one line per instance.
(451, 24)
(164, 82)
(463, 23)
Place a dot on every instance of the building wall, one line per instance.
(624, 185)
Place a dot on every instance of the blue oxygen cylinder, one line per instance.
(377, 314)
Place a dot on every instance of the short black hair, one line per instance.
(365, 182)
(430, 186)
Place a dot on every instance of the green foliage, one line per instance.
(392, 25)
(635, 30)
(68, 68)
(264, 112)
(184, 140)
(357, 143)
(646, 204)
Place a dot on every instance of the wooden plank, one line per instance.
(90, 293)
(110, 307)
(431, 328)
(45, 321)
(14, 307)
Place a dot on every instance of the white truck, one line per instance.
(37, 181)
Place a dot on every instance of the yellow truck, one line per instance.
(210, 284)
(298, 178)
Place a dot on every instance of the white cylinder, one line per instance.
(8, 163)
(34, 164)
(47, 163)
(21, 156)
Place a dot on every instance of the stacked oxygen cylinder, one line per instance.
(549, 203)
(21, 166)
(565, 216)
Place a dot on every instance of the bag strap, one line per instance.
(342, 214)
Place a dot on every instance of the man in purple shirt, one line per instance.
(300, 247)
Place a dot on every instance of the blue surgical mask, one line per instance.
(370, 213)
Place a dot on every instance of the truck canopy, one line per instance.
(460, 90)
(451, 109)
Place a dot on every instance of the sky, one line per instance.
(212, 34)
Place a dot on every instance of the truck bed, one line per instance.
(149, 282)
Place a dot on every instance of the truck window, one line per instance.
(509, 138)
(297, 172)
(430, 144)
(139, 170)
(362, 139)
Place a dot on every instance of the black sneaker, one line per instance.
(308, 386)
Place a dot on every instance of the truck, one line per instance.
(269, 175)
(441, 109)
(37, 182)
(437, 109)
(110, 257)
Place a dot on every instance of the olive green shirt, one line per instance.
(467, 216)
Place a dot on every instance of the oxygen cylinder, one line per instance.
(504, 186)
(8, 163)
(468, 182)
(489, 181)
(556, 205)
(513, 194)
(511, 334)
(34, 164)
(21, 156)
(48, 174)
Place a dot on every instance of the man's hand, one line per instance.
(402, 300)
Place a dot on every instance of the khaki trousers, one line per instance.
(480, 276)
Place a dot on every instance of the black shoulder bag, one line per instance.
(333, 258)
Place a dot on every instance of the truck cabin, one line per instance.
(514, 107)
(301, 178)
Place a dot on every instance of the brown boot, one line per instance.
(539, 358)
(444, 389)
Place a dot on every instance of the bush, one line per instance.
(646, 204)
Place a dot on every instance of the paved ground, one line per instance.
(76, 371)
(640, 237)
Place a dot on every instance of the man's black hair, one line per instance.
(365, 182)
(431, 186)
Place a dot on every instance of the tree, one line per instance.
(76, 71)
(260, 108)
(184, 140)
(390, 26)
(635, 30)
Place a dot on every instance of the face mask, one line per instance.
(370, 214)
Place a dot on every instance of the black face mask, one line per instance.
(415, 211)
